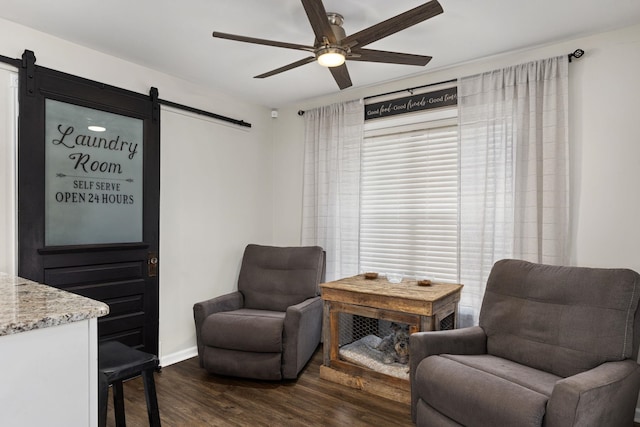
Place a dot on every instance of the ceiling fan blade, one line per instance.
(341, 76)
(318, 19)
(393, 25)
(370, 55)
(287, 67)
(261, 41)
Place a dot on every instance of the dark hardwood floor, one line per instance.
(188, 396)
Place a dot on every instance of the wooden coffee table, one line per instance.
(423, 308)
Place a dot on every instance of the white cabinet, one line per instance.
(48, 355)
(49, 376)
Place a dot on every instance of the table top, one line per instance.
(27, 305)
(408, 289)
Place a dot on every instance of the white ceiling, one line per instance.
(175, 36)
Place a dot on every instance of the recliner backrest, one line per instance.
(274, 278)
(562, 320)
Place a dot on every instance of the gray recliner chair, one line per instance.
(270, 327)
(555, 346)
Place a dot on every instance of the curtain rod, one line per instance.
(411, 89)
(575, 54)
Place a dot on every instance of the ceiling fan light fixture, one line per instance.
(331, 56)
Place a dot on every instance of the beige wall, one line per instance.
(215, 198)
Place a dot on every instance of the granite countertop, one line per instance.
(27, 305)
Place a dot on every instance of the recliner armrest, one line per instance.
(227, 302)
(604, 395)
(302, 332)
(202, 310)
(470, 340)
(306, 305)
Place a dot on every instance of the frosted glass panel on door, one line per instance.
(93, 176)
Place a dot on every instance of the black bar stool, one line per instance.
(116, 363)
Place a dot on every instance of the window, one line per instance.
(409, 196)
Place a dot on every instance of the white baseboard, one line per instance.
(178, 356)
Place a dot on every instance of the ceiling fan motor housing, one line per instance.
(336, 20)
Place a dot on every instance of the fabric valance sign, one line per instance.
(409, 104)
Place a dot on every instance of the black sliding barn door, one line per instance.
(88, 196)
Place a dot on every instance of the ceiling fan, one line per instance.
(332, 46)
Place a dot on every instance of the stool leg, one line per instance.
(118, 404)
(150, 395)
(103, 399)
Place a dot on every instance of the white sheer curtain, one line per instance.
(514, 183)
(331, 199)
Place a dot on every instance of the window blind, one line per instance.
(409, 200)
